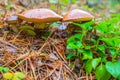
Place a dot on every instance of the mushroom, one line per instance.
(40, 17)
(77, 15)
(12, 20)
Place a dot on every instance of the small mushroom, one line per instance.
(77, 15)
(40, 17)
(12, 20)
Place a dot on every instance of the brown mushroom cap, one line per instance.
(12, 19)
(39, 15)
(77, 15)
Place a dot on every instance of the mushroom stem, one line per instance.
(14, 28)
(40, 25)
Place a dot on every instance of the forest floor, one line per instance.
(40, 57)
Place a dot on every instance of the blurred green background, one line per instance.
(99, 8)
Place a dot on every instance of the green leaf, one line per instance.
(72, 65)
(101, 73)
(87, 55)
(20, 75)
(103, 59)
(52, 1)
(74, 45)
(115, 41)
(1, 68)
(113, 68)
(102, 27)
(76, 37)
(95, 62)
(9, 6)
(70, 55)
(8, 75)
(74, 42)
(93, 40)
(115, 15)
(30, 32)
(5, 69)
(73, 1)
(90, 28)
(24, 28)
(63, 7)
(66, 2)
(87, 47)
(15, 78)
(112, 51)
(119, 77)
(109, 41)
(86, 25)
(53, 7)
(54, 24)
(88, 66)
(101, 48)
(46, 34)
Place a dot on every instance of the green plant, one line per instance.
(14, 76)
(4, 69)
(11, 76)
(98, 47)
(28, 29)
(61, 4)
(9, 6)
(19, 75)
(7, 75)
